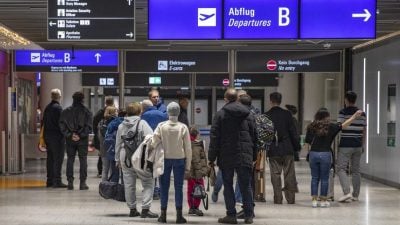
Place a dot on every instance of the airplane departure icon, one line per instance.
(206, 17)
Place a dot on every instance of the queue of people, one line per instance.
(233, 148)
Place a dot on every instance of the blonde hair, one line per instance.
(110, 112)
(55, 94)
(133, 109)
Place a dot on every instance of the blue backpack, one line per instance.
(110, 138)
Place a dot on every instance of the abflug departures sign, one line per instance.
(66, 61)
(188, 19)
(74, 20)
(287, 61)
(176, 62)
(337, 19)
(261, 19)
(258, 19)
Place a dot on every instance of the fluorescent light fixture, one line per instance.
(367, 134)
(378, 107)
(364, 81)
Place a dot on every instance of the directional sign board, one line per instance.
(338, 19)
(260, 19)
(188, 19)
(91, 20)
(66, 61)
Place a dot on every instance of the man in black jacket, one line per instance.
(54, 139)
(282, 150)
(233, 139)
(109, 101)
(76, 125)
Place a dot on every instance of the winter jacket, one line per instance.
(155, 156)
(174, 139)
(153, 117)
(160, 106)
(288, 138)
(76, 119)
(101, 137)
(51, 118)
(128, 124)
(233, 137)
(183, 117)
(199, 168)
(96, 120)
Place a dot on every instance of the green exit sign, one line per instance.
(154, 80)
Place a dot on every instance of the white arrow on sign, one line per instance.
(52, 23)
(129, 2)
(129, 35)
(98, 56)
(366, 15)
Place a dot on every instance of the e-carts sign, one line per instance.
(287, 61)
(66, 61)
(176, 62)
(261, 19)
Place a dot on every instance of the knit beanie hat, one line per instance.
(173, 109)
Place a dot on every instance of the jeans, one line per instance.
(320, 164)
(277, 164)
(344, 156)
(178, 166)
(55, 156)
(218, 186)
(244, 178)
(82, 148)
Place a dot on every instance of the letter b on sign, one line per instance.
(67, 57)
(284, 19)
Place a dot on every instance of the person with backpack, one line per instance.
(320, 135)
(109, 101)
(130, 134)
(198, 170)
(174, 138)
(110, 114)
(109, 144)
(281, 151)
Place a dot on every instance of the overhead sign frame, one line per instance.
(99, 21)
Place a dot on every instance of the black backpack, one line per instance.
(131, 142)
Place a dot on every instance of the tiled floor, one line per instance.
(27, 201)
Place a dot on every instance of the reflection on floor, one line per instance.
(24, 199)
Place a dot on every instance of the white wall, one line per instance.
(289, 88)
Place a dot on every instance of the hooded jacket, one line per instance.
(128, 124)
(233, 137)
(76, 119)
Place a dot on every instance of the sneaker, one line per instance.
(355, 199)
(325, 204)
(248, 220)
(196, 212)
(240, 214)
(214, 196)
(134, 213)
(59, 185)
(239, 204)
(146, 213)
(228, 220)
(314, 203)
(345, 198)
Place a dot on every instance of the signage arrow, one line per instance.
(129, 2)
(366, 15)
(129, 35)
(52, 23)
(98, 56)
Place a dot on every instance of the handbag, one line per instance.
(199, 192)
(112, 190)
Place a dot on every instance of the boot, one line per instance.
(228, 220)
(70, 185)
(133, 213)
(179, 217)
(146, 213)
(163, 216)
(83, 185)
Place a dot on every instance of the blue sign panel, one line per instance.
(66, 60)
(185, 19)
(260, 19)
(337, 19)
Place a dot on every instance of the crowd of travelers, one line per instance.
(148, 141)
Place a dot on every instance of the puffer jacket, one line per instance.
(198, 168)
(233, 137)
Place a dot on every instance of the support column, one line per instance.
(72, 83)
(50, 81)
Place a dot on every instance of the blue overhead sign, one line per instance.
(338, 19)
(260, 19)
(66, 60)
(185, 19)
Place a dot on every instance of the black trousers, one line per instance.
(278, 165)
(72, 148)
(55, 146)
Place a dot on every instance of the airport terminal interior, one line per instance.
(196, 51)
